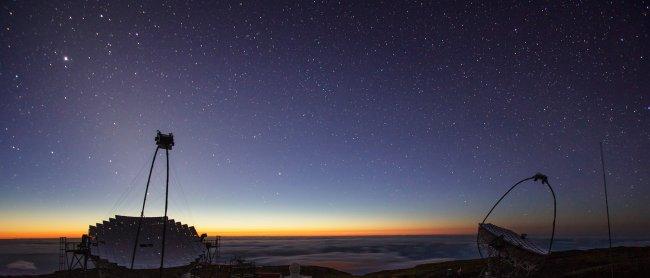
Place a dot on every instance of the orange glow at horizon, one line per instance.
(234, 232)
(341, 232)
(52, 225)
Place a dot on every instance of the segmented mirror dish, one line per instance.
(113, 242)
(490, 232)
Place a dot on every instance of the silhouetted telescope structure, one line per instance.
(511, 254)
(125, 244)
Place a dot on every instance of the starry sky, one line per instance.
(324, 118)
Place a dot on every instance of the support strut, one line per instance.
(162, 254)
(146, 191)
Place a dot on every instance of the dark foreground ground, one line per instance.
(628, 262)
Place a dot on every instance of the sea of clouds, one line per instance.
(356, 255)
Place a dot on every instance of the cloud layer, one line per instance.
(21, 265)
(356, 255)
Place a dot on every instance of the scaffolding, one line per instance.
(212, 250)
(74, 255)
(63, 258)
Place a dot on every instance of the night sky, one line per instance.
(305, 118)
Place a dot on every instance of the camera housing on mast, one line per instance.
(165, 141)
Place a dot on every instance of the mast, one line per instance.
(609, 227)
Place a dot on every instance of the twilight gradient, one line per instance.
(315, 118)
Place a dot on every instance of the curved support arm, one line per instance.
(503, 196)
(536, 177)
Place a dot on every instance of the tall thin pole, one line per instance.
(609, 227)
(146, 191)
(162, 254)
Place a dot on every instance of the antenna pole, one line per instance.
(146, 191)
(162, 254)
(609, 227)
